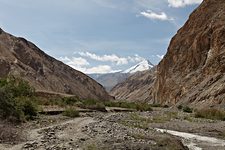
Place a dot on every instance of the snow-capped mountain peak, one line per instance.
(142, 66)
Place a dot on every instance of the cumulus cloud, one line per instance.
(83, 65)
(99, 69)
(105, 58)
(79, 62)
(75, 62)
(162, 16)
(112, 58)
(183, 3)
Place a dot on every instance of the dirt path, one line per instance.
(41, 138)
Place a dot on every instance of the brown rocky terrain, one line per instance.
(161, 129)
(23, 59)
(136, 87)
(193, 70)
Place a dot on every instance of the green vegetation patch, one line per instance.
(129, 105)
(211, 113)
(92, 104)
(137, 121)
(71, 112)
(17, 101)
(187, 109)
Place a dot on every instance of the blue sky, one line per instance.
(97, 36)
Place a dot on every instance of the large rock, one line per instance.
(193, 70)
(21, 58)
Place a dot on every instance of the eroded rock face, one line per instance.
(193, 70)
(136, 88)
(23, 59)
(5, 68)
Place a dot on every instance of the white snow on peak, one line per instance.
(142, 66)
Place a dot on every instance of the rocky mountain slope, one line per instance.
(193, 70)
(136, 87)
(21, 58)
(109, 80)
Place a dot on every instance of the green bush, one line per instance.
(8, 106)
(187, 109)
(156, 105)
(166, 106)
(214, 114)
(180, 107)
(69, 100)
(28, 107)
(127, 105)
(16, 100)
(71, 112)
(143, 107)
(17, 87)
(90, 102)
(99, 107)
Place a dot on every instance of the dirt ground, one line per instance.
(124, 130)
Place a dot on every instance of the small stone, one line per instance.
(82, 139)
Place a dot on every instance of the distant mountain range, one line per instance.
(109, 80)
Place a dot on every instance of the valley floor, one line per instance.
(122, 130)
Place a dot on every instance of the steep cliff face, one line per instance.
(193, 70)
(21, 58)
(136, 88)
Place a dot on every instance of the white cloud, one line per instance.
(112, 58)
(79, 61)
(156, 16)
(183, 3)
(82, 64)
(135, 58)
(160, 56)
(99, 69)
(105, 58)
(75, 62)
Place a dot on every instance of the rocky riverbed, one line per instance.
(125, 130)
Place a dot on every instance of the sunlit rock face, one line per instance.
(193, 70)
